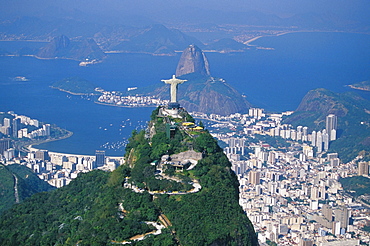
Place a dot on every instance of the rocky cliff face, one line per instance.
(213, 96)
(192, 60)
(57, 46)
(63, 47)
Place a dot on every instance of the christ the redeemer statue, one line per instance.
(173, 82)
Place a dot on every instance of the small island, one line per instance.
(363, 86)
(76, 86)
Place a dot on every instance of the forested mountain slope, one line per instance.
(24, 179)
(146, 196)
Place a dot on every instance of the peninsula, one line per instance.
(20, 131)
(76, 86)
(363, 86)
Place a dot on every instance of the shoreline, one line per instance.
(26, 147)
(74, 93)
(301, 31)
(41, 58)
(247, 43)
(54, 58)
(358, 88)
(123, 106)
(252, 39)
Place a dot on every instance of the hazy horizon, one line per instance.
(181, 11)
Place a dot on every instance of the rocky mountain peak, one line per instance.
(62, 47)
(61, 42)
(193, 60)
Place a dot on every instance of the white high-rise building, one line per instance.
(333, 134)
(332, 156)
(9, 154)
(363, 168)
(313, 138)
(271, 158)
(34, 122)
(299, 136)
(314, 204)
(46, 128)
(258, 190)
(331, 123)
(257, 150)
(293, 135)
(256, 112)
(308, 151)
(319, 142)
(7, 122)
(299, 128)
(305, 134)
(254, 177)
(325, 139)
(232, 142)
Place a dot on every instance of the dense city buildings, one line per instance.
(58, 169)
(117, 99)
(20, 126)
(292, 194)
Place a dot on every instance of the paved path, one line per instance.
(195, 183)
(159, 227)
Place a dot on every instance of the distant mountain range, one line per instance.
(63, 47)
(157, 39)
(149, 36)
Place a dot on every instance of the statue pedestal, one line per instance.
(173, 112)
(173, 105)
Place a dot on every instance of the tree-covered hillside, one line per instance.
(353, 112)
(359, 185)
(6, 189)
(27, 184)
(145, 196)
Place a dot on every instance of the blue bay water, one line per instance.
(278, 79)
(273, 79)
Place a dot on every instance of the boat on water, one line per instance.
(20, 78)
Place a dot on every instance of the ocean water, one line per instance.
(275, 79)
(278, 79)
